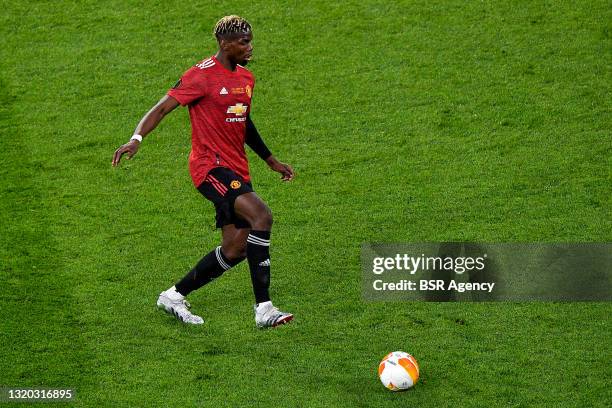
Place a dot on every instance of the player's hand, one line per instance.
(285, 170)
(130, 148)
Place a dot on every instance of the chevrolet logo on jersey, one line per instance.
(237, 109)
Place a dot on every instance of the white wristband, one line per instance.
(137, 137)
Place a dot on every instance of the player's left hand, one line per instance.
(285, 170)
(130, 148)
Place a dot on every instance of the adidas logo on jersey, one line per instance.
(223, 91)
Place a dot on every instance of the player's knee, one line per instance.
(234, 252)
(263, 220)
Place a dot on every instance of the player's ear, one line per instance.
(224, 43)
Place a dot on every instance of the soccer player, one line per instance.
(218, 92)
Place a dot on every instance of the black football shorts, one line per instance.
(222, 186)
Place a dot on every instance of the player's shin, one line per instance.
(207, 269)
(258, 256)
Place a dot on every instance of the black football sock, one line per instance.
(258, 256)
(210, 267)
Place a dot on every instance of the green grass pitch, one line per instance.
(406, 121)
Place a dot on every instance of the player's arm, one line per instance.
(255, 142)
(148, 122)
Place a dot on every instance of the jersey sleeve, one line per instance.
(189, 88)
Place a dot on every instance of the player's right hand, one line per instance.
(130, 148)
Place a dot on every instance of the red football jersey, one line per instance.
(219, 101)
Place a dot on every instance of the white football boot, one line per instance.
(174, 303)
(266, 315)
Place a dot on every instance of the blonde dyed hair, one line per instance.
(230, 26)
